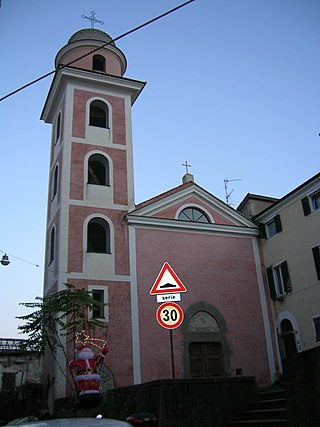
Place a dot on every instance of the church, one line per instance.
(97, 238)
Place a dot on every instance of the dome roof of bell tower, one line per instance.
(85, 46)
(91, 34)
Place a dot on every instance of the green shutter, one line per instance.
(306, 206)
(272, 288)
(277, 223)
(286, 277)
(262, 231)
(316, 257)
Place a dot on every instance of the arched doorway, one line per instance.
(49, 394)
(107, 380)
(206, 353)
(288, 345)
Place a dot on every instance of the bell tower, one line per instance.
(91, 176)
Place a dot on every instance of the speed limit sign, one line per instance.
(169, 315)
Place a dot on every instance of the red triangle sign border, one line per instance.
(179, 288)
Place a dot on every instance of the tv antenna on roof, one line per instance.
(228, 193)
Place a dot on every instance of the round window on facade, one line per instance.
(193, 214)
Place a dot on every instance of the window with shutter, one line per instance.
(271, 283)
(273, 226)
(306, 206)
(285, 277)
(316, 258)
(278, 225)
(316, 325)
(315, 200)
(279, 280)
(262, 231)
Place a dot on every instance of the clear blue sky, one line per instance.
(232, 87)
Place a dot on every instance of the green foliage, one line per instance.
(57, 315)
(62, 313)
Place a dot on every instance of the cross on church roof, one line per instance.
(186, 166)
(92, 19)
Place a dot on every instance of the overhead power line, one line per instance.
(98, 48)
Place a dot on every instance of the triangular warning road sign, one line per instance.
(167, 282)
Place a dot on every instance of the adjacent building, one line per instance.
(290, 240)
(18, 365)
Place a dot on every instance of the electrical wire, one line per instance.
(96, 49)
(21, 259)
(77, 59)
(29, 262)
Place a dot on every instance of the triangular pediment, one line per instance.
(168, 205)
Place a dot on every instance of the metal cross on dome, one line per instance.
(92, 19)
(186, 165)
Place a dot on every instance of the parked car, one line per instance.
(77, 422)
(143, 419)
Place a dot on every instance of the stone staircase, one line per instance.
(269, 409)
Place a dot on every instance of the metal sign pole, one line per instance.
(172, 355)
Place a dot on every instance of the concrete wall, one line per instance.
(302, 381)
(20, 382)
(22, 366)
(185, 403)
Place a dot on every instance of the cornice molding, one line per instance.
(304, 190)
(186, 226)
(90, 79)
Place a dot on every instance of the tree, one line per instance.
(56, 318)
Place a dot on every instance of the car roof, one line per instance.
(79, 422)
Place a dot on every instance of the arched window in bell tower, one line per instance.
(98, 170)
(55, 182)
(98, 236)
(58, 127)
(98, 63)
(99, 114)
(52, 246)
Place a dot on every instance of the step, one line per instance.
(271, 395)
(263, 414)
(269, 409)
(259, 423)
(267, 404)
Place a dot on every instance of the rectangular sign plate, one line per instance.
(168, 297)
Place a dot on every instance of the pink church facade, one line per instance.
(98, 239)
(219, 263)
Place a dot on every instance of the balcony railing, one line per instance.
(12, 344)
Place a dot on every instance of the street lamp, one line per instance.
(5, 260)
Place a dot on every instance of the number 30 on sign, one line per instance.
(170, 315)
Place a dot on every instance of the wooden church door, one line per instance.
(205, 359)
